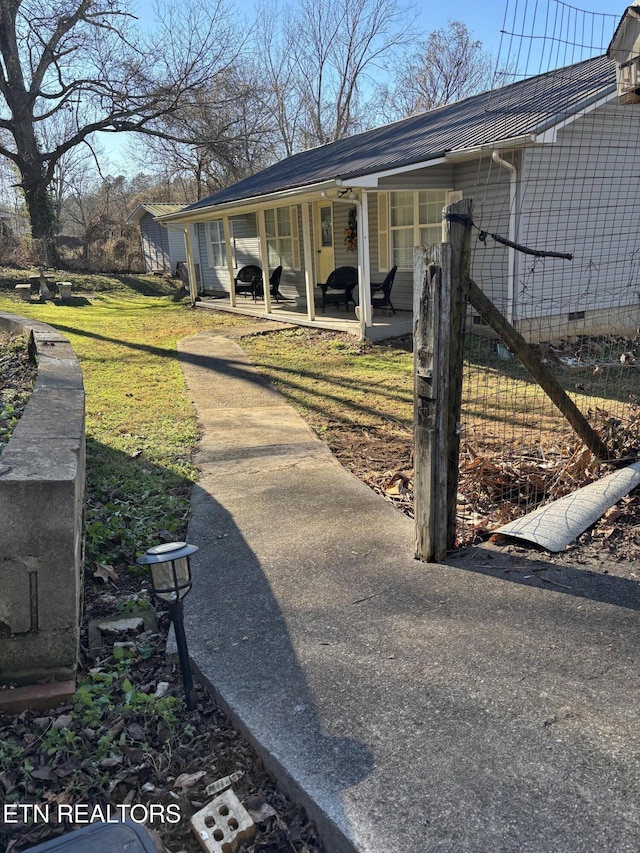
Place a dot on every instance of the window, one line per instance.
(281, 227)
(415, 219)
(217, 245)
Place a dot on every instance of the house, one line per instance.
(550, 162)
(162, 248)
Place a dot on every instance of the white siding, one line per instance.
(581, 195)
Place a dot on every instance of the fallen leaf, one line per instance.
(188, 780)
(105, 573)
(264, 812)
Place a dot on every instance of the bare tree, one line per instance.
(226, 129)
(446, 66)
(89, 61)
(319, 63)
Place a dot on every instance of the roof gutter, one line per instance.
(247, 204)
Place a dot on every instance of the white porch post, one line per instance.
(366, 318)
(193, 284)
(309, 271)
(227, 242)
(264, 260)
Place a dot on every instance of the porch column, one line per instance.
(308, 261)
(264, 260)
(364, 289)
(193, 284)
(229, 249)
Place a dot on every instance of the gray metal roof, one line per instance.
(528, 106)
(153, 208)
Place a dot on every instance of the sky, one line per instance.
(536, 36)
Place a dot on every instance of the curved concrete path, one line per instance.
(412, 707)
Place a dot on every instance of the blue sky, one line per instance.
(537, 35)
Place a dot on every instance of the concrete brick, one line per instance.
(223, 824)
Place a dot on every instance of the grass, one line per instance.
(141, 427)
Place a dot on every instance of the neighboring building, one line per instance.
(162, 248)
(549, 162)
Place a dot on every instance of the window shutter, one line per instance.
(383, 232)
(295, 239)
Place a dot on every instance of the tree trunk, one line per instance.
(41, 213)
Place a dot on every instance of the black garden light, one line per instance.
(170, 572)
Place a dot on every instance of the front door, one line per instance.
(324, 240)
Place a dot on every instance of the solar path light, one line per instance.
(170, 572)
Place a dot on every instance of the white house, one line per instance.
(551, 163)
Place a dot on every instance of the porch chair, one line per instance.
(274, 284)
(248, 280)
(384, 301)
(340, 286)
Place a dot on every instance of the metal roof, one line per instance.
(527, 107)
(154, 208)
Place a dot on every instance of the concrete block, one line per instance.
(223, 824)
(41, 506)
(24, 292)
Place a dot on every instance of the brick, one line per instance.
(222, 824)
(35, 697)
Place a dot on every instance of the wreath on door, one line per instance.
(351, 231)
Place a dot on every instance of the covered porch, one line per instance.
(307, 234)
(383, 324)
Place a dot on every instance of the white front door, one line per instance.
(324, 240)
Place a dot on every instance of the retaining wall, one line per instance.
(42, 475)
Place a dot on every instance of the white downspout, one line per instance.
(513, 202)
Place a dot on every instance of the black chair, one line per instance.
(248, 280)
(339, 287)
(384, 287)
(274, 284)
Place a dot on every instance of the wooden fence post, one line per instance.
(440, 285)
(428, 474)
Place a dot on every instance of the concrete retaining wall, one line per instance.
(42, 475)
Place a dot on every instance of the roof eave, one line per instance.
(251, 202)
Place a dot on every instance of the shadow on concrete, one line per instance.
(534, 571)
(246, 656)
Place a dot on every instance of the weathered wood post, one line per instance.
(440, 297)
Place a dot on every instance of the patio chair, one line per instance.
(274, 282)
(248, 280)
(339, 287)
(384, 301)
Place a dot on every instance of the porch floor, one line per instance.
(385, 325)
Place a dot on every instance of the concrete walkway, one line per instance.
(412, 707)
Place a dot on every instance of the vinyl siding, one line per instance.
(155, 245)
(581, 196)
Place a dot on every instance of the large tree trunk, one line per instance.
(41, 213)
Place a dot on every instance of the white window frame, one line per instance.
(276, 242)
(218, 261)
(415, 226)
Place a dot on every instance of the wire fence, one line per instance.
(575, 192)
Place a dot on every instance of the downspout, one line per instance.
(513, 201)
